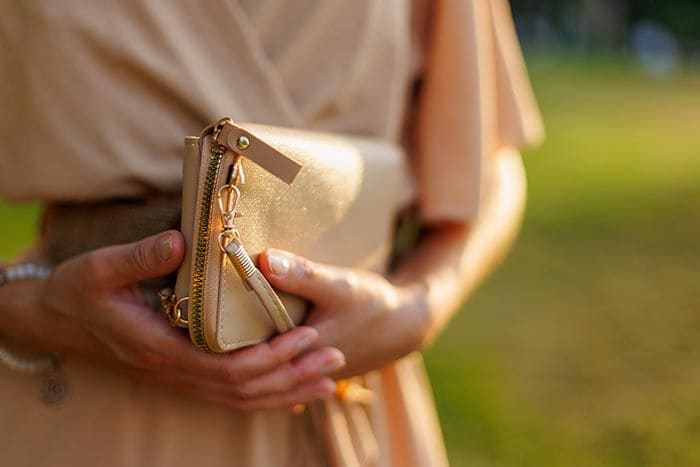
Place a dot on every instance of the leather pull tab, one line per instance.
(246, 144)
(255, 280)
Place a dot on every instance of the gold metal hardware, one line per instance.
(172, 308)
(202, 241)
(237, 175)
(242, 142)
(351, 391)
(218, 126)
(53, 387)
(240, 259)
(228, 197)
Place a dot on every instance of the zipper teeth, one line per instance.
(202, 250)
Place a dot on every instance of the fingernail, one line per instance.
(165, 247)
(278, 263)
(333, 364)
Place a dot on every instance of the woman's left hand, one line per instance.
(372, 321)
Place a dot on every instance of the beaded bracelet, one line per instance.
(53, 386)
(22, 272)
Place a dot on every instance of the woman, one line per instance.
(98, 98)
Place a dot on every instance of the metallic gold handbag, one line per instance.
(248, 187)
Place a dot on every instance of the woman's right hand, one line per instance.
(91, 309)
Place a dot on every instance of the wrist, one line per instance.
(414, 315)
(21, 294)
(17, 299)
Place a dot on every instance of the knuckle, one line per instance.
(124, 356)
(271, 355)
(229, 374)
(141, 357)
(309, 271)
(298, 373)
(153, 359)
(345, 285)
(94, 265)
(244, 392)
(140, 258)
(278, 358)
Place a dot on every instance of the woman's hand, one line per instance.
(92, 309)
(372, 321)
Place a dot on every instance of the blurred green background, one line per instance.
(584, 348)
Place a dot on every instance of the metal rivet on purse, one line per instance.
(242, 142)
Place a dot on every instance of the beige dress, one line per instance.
(96, 98)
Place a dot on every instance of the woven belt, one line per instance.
(69, 229)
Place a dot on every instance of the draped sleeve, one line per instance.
(475, 98)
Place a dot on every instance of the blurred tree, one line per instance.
(681, 17)
(603, 23)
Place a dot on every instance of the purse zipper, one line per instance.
(228, 239)
(202, 248)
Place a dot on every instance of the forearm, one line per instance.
(452, 259)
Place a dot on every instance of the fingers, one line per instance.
(116, 266)
(302, 394)
(320, 283)
(314, 365)
(164, 345)
(259, 359)
(268, 375)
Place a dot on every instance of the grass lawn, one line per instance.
(584, 348)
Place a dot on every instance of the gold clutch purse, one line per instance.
(248, 187)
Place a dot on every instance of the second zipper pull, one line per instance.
(255, 281)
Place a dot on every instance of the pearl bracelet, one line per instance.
(53, 386)
(23, 272)
(17, 273)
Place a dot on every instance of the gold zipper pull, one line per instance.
(241, 260)
(255, 281)
(230, 244)
(228, 197)
(228, 202)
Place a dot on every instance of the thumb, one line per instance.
(116, 266)
(319, 283)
